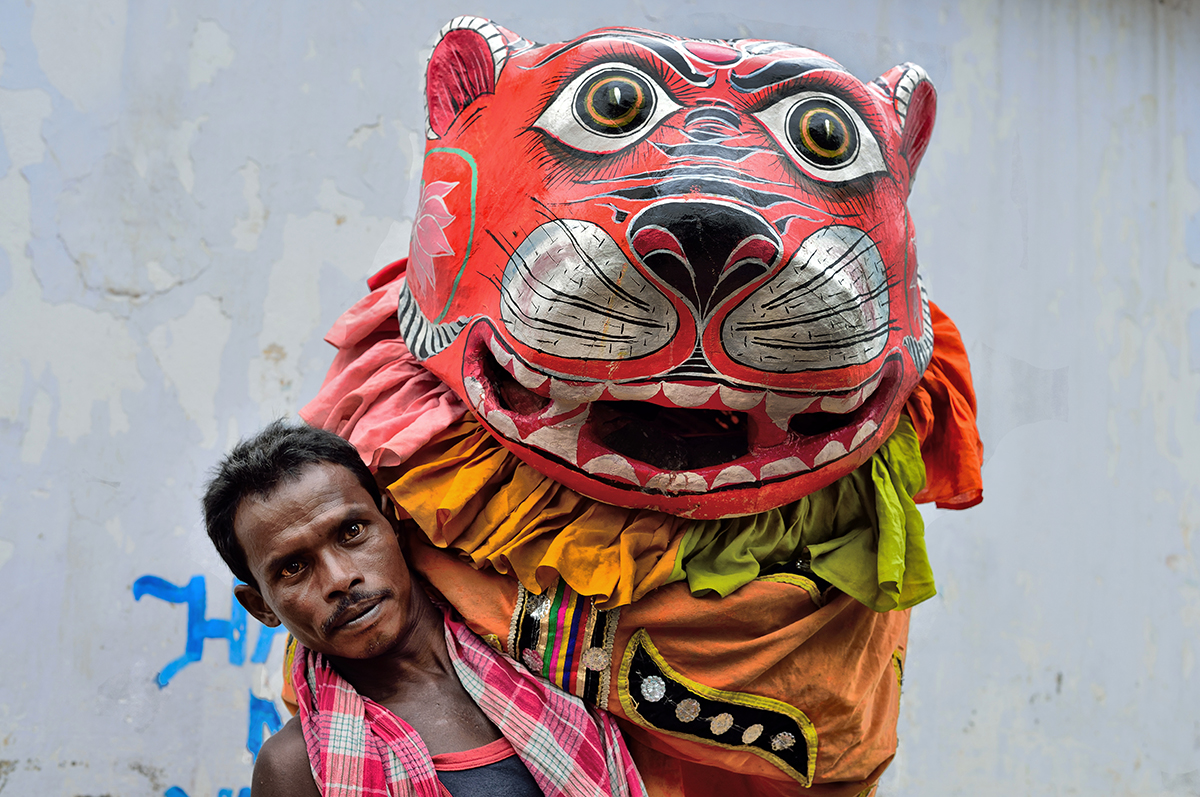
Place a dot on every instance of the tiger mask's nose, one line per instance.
(703, 250)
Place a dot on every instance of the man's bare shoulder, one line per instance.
(282, 768)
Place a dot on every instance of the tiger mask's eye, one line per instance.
(821, 131)
(828, 139)
(606, 109)
(612, 103)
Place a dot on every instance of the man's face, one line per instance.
(327, 563)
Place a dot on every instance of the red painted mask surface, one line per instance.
(670, 273)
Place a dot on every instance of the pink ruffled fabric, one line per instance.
(377, 394)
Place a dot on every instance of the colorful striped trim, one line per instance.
(562, 636)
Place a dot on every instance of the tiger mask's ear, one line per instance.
(915, 103)
(464, 65)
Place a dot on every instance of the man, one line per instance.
(396, 696)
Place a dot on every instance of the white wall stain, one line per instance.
(393, 247)
(81, 48)
(90, 355)
(246, 229)
(180, 151)
(414, 144)
(210, 52)
(337, 235)
(125, 543)
(37, 433)
(189, 349)
(21, 124)
(159, 277)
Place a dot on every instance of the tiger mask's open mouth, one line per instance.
(671, 438)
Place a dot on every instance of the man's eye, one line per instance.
(291, 569)
(354, 529)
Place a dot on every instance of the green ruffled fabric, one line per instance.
(863, 534)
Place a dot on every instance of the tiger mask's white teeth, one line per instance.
(740, 400)
(557, 409)
(780, 409)
(634, 392)
(834, 449)
(560, 439)
(687, 395)
(613, 465)
(558, 427)
(529, 379)
(675, 482)
(502, 355)
(575, 393)
(475, 391)
(840, 405)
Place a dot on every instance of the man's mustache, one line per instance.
(350, 602)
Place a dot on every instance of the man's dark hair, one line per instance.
(257, 465)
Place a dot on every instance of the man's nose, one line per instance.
(341, 572)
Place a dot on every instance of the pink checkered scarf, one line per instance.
(358, 748)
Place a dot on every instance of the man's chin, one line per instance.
(365, 641)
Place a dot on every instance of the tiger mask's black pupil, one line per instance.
(613, 103)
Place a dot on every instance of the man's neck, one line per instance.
(417, 662)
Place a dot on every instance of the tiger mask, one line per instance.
(670, 273)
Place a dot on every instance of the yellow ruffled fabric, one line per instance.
(863, 532)
(468, 492)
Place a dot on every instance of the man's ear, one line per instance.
(252, 599)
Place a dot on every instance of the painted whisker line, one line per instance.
(842, 343)
(612, 285)
(823, 275)
(850, 303)
(540, 289)
(563, 328)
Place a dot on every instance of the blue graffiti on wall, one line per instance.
(264, 718)
(262, 713)
(201, 628)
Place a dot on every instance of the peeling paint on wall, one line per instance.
(210, 52)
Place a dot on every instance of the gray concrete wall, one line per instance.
(191, 192)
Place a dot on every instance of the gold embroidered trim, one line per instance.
(898, 666)
(803, 582)
(749, 733)
(612, 617)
